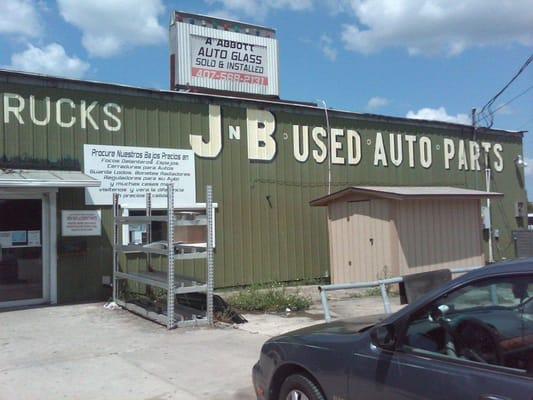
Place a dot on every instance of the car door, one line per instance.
(475, 342)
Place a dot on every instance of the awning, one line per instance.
(31, 178)
(405, 192)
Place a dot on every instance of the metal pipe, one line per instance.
(325, 305)
(210, 255)
(487, 184)
(362, 285)
(385, 297)
(170, 248)
(329, 144)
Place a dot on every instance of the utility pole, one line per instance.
(488, 174)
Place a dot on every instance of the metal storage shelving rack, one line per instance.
(169, 281)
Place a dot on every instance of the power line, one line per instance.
(487, 114)
(513, 99)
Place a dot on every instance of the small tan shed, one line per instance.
(378, 231)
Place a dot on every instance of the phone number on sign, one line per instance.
(229, 76)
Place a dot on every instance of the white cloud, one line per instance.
(326, 45)
(438, 26)
(111, 26)
(439, 114)
(528, 171)
(376, 102)
(51, 60)
(259, 9)
(19, 17)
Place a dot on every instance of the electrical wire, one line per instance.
(487, 114)
(513, 99)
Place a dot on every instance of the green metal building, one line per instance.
(266, 160)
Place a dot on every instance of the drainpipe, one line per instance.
(329, 144)
(487, 182)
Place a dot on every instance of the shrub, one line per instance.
(270, 299)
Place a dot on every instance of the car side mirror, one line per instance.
(438, 313)
(384, 337)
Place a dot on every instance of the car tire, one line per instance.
(301, 387)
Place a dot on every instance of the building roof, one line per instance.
(19, 77)
(45, 178)
(405, 192)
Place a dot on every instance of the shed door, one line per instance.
(360, 249)
(369, 242)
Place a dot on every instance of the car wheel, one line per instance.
(299, 387)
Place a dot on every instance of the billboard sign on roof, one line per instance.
(222, 55)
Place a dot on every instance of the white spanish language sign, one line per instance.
(228, 60)
(133, 171)
(81, 222)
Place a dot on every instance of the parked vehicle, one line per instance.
(470, 339)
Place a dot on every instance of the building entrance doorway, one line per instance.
(24, 267)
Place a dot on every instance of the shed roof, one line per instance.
(26, 178)
(404, 192)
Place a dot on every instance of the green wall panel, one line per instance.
(266, 231)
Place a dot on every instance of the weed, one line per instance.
(273, 298)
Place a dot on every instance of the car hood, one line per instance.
(328, 331)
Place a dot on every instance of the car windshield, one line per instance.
(507, 294)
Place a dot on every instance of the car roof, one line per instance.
(520, 265)
(517, 266)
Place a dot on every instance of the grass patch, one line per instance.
(269, 299)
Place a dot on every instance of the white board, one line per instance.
(133, 171)
(81, 222)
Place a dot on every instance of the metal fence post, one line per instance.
(115, 244)
(385, 296)
(170, 291)
(325, 305)
(210, 255)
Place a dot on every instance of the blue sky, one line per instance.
(434, 59)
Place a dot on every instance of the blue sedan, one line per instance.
(470, 339)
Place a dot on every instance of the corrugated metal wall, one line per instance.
(266, 231)
(524, 243)
(436, 234)
(377, 238)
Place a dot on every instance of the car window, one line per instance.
(488, 322)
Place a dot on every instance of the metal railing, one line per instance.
(382, 283)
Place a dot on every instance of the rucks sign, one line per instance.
(346, 146)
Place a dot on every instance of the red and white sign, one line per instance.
(223, 55)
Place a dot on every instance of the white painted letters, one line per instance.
(411, 139)
(301, 148)
(336, 146)
(260, 129)
(34, 119)
(449, 152)
(354, 147)
(396, 149)
(212, 148)
(59, 120)
(321, 155)
(426, 156)
(117, 122)
(9, 108)
(380, 156)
